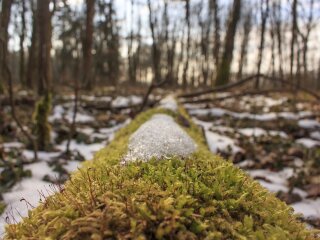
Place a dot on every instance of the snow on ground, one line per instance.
(315, 135)
(254, 132)
(121, 101)
(218, 135)
(309, 123)
(59, 112)
(28, 189)
(217, 142)
(309, 208)
(308, 143)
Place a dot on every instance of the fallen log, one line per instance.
(158, 180)
(249, 79)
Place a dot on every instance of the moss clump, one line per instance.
(2, 207)
(42, 127)
(202, 197)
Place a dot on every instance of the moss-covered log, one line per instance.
(198, 197)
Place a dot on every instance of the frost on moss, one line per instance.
(202, 197)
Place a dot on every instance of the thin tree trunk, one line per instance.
(87, 45)
(247, 25)
(264, 17)
(186, 66)
(155, 47)
(4, 23)
(214, 6)
(293, 36)
(223, 74)
(32, 59)
(44, 58)
(22, 38)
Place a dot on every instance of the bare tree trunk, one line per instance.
(264, 17)
(155, 47)
(4, 23)
(305, 38)
(214, 6)
(186, 66)
(44, 57)
(293, 36)
(32, 59)
(87, 45)
(223, 74)
(171, 49)
(5, 70)
(131, 70)
(247, 25)
(278, 18)
(22, 38)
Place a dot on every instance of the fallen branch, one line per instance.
(236, 95)
(146, 96)
(248, 79)
(218, 89)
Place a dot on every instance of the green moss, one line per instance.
(201, 197)
(2, 207)
(42, 127)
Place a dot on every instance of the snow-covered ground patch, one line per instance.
(309, 208)
(308, 143)
(29, 189)
(309, 123)
(217, 143)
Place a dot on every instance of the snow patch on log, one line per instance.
(160, 137)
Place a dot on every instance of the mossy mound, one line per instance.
(201, 197)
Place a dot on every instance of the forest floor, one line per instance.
(274, 139)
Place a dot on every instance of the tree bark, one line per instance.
(44, 57)
(247, 25)
(186, 66)
(87, 45)
(22, 38)
(224, 69)
(264, 17)
(293, 36)
(32, 59)
(4, 23)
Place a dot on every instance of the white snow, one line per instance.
(205, 125)
(71, 166)
(29, 189)
(169, 103)
(86, 150)
(315, 135)
(278, 133)
(8, 145)
(308, 123)
(160, 137)
(255, 132)
(44, 156)
(308, 207)
(60, 113)
(217, 142)
(121, 101)
(308, 143)
(279, 178)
